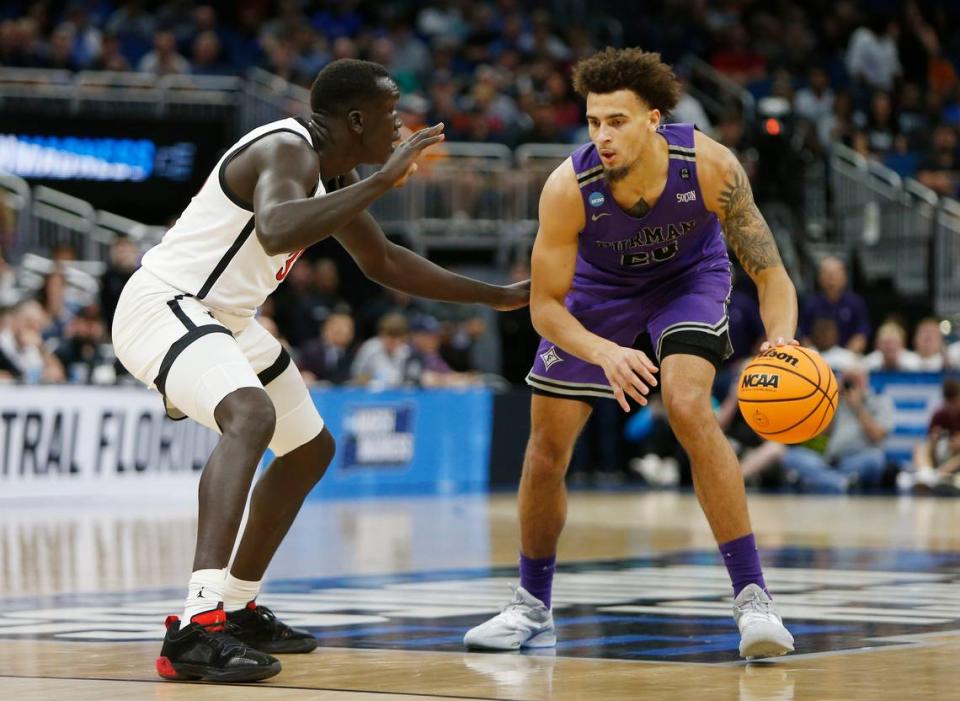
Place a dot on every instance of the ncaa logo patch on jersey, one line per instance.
(684, 173)
(597, 199)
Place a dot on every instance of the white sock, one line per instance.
(238, 592)
(204, 592)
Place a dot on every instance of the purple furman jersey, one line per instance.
(664, 273)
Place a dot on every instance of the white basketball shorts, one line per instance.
(195, 356)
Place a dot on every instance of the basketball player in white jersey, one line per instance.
(185, 325)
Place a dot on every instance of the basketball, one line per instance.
(788, 394)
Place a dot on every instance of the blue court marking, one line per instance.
(585, 630)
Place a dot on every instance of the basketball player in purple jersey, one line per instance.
(631, 240)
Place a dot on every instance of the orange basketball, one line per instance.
(788, 394)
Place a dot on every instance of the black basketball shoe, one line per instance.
(258, 627)
(206, 649)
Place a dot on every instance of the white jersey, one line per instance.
(213, 252)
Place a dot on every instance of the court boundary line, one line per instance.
(248, 685)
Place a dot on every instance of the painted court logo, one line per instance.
(597, 199)
(671, 608)
(551, 357)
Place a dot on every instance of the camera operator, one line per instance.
(850, 453)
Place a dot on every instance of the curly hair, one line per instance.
(611, 70)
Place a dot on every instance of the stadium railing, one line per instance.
(889, 223)
(268, 97)
(15, 203)
(947, 258)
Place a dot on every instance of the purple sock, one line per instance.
(536, 576)
(743, 563)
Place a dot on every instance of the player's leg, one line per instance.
(691, 337)
(527, 621)
(565, 388)
(169, 340)
(686, 383)
(304, 449)
(555, 424)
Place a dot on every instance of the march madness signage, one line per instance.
(378, 435)
(406, 441)
(89, 440)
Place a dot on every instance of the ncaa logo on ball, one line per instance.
(597, 199)
(760, 380)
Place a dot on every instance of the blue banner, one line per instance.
(916, 395)
(406, 441)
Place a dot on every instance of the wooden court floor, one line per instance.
(870, 586)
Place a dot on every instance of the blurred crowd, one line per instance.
(60, 332)
(880, 77)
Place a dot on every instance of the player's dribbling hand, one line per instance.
(513, 296)
(629, 372)
(777, 342)
(402, 162)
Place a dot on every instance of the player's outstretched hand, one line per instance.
(629, 372)
(513, 296)
(402, 162)
(777, 342)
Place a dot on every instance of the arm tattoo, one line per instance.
(743, 225)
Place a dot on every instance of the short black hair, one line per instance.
(951, 388)
(643, 72)
(346, 83)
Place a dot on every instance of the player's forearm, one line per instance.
(405, 271)
(555, 323)
(778, 303)
(290, 226)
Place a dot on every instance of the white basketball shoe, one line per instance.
(524, 622)
(762, 633)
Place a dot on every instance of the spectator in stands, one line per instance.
(326, 288)
(873, 59)
(382, 360)
(736, 58)
(22, 346)
(133, 23)
(891, 354)
(929, 346)
(368, 317)
(207, 55)
(52, 297)
(938, 455)
(940, 168)
(839, 125)
(850, 453)
(88, 39)
(111, 58)
(689, 110)
(164, 59)
(836, 301)
(426, 366)
(814, 102)
(881, 126)
(59, 54)
(82, 350)
(824, 336)
(124, 260)
(912, 120)
(328, 359)
(293, 307)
